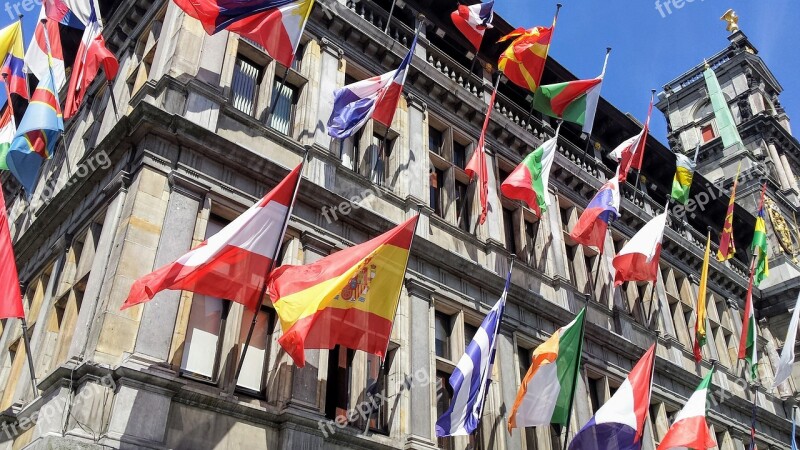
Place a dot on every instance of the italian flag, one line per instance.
(545, 395)
(528, 182)
(7, 132)
(573, 101)
(690, 429)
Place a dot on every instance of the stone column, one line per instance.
(420, 423)
(201, 109)
(789, 173)
(331, 77)
(415, 180)
(508, 387)
(773, 154)
(159, 315)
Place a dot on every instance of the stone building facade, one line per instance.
(191, 144)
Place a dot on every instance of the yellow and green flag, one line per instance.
(684, 173)
(760, 242)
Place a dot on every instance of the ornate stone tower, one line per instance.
(759, 140)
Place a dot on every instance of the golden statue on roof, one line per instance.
(732, 18)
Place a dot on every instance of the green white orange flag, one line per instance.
(690, 429)
(727, 248)
(684, 173)
(7, 132)
(760, 245)
(529, 180)
(748, 350)
(548, 388)
(700, 322)
(348, 298)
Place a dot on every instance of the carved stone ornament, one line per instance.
(782, 229)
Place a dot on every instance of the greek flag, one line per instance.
(472, 377)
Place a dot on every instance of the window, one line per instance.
(378, 150)
(436, 141)
(252, 376)
(444, 393)
(284, 98)
(244, 85)
(707, 131)
(443, 328)
(508, 227)
(469, 333)
(436, 188)
(459, 154)
(448, 151)
(377, 382)
(595, 393)
(462, 205)
(338, 391)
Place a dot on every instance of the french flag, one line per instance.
(619, 423)
(376, 98)
(638, 260)
(473, 21)
(602, 210)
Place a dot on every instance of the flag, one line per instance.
(760, 244)
(348, 298)
(727, 248)
(523, 61)
(7, 131)
(92, 54)
(638, 259)
(36, 136)
(593, 223)
(373, 98)
(476, 167)
(573, 101)
(529, 181)
(233, 263)
(786, 360)
(473, 376)
(36, 61)
(619, 423)
(684, 172)
(10, 295)
(748, 348)
(630, 153)
(702, 296)
(72, 13)
(690, 428)
(473, 21)
(278, 30)
(546, 393)
(722, 113)
(217, 15)
(794, 429)
(13, 59)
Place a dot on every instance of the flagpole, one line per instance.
(375, 387)
(8, 94)
(27, 342)
(273, 263)
(655, 283)
(602, 76)
(572, 399)
(754, 388)
(646, 125)
(389, 20)
(113, 100)
(55, 92)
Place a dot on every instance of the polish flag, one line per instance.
(233, 263)
(36, 56)
(638, 260)
(92, 54)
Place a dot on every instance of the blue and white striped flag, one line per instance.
(473, 375)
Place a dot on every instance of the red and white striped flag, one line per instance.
(233, 263)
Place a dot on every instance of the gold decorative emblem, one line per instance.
(781, 227)
(732, 18)
(356, 289)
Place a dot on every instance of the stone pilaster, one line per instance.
(330, 77)
(185, 200)
(420, 423)
(508, 385)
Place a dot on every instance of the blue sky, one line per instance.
(651, 48)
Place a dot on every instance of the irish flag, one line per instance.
(690, 429)
(638, 260)
(528, 182)
(348, 298)
(573, 101)
(7, 132)
(546, 393)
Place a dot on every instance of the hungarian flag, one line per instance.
(702, 295)
(277, 30)
(619, 423)
(523, 61)
(473, 21)
(690, 429)
(476, 167)
(684, 173)
(10, 295)
(760, 244)
(92, 55)
(233, 263)
(217, 15)
(348, 298)
(546, 393)
(529, 181)
(638, 260)
(573, 101)
(593, 224)
(727, 248)
(7, 131)
(748, 350)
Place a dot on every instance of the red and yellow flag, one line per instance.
(348, 298)
(523, 61)
(727, 248)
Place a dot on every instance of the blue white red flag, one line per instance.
(603, 209)
(473, 21)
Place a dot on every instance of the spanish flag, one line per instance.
(348, 298)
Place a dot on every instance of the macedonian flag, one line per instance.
(348, 298)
